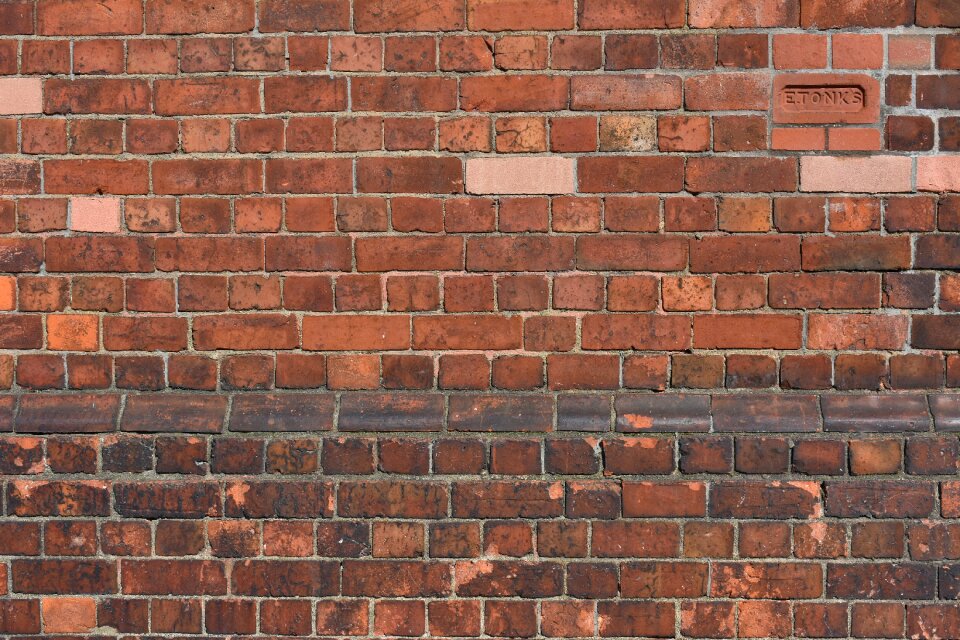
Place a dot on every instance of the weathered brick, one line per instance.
(274, 412)
(194, 176)
(875, 413)
(64, 576)
(167, 500)
(536, 499)
(755, 13)
(879, 499)
(775, 581)
(677, 412)
(633, 539)
(284, 578)
(520, 93)
(179, 16)
(882, 581)
(264, 499)
(395, 578)
(754, 175)
(751, 499)
(827, 15)
(625, 93)
(508, 578)
(174, 412)
(170, 577)
(83, 413)
(862, 253)
(106, 95)
(766, 413)
(630, 174)
(58, 498)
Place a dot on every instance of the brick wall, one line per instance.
(348, 318)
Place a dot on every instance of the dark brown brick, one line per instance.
(500, 413)
(668, 413)
(275, 412)
(391, 412)
(174, 412)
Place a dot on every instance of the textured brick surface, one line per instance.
(584, 515)
(480, 318)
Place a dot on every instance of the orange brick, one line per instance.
(8, 293)
(69, 615)
(799, 51)
(857, 51)
(73, 332)
(799, 139)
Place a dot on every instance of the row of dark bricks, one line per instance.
(397, 411)
(921, 455)
(483, 498)
(683, 576)
(500, 618)
(802, 580)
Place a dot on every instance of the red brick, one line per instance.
(621, 331)
(822, 14)
(755, 13)
(752, 175)
(404, 15)
(184, 177)
(308, 15)
(179, 16)
(624, 14)
(727, 91)
(625, 92)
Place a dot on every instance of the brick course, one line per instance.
(351, 317)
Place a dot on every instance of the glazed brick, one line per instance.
(479, 413)
(866, 413)
(272, 412)
(82, 413)
(173, 413)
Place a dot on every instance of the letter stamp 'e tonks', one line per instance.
(825, 99)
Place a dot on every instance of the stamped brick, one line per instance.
(815, 98)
